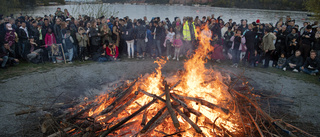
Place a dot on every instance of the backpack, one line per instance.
(141, 34)
(128, 34)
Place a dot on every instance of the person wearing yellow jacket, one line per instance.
(189, 35)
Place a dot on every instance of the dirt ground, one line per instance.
(294, 101)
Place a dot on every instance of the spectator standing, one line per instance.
(23, 39)
(268, 46)
(177, 43)
(58, 31)
(116, 33)
(168, 42)
(238, 40)
(250, 36)
(95, 38)
(227, 42)
(50, 38)
(129, 39)
(307, 38)
(141, 36)
(292, 42)
(106, 33)
(83, 42)
(317, 42)
(68, 42)
(280, 44)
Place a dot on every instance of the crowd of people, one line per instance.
(61, 36)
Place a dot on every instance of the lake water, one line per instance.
(163, 11)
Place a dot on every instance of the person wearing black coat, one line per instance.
(307, 38)
(95, 38)
(34, 31)
(23, 35)
(250, 39)
(291, 44)
(294, 62)
(311, 65)
(58, 31)
(280, 44)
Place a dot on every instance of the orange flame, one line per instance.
(197, 81)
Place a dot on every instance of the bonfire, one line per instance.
(196, 101)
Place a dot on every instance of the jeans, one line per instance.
(309, 71)
(157, 46)
(168, 46)
(130, 46)
(267, 58)
(4, 62)
(249, 57)
(70, 54)
(176, 52)
(82, 53)
(141, 46)
(235, 56)
(22, 48)
(279, 67)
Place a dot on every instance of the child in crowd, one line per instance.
(168, 41)
(50, 38)
(68, 44)
(177, 43)
(237, 46)
(55, 52)
(281, 61)
(256, 58)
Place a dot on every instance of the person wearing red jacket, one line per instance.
(112, 51)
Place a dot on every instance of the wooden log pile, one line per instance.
(78, 122)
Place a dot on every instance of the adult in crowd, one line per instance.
(311, 65)
(294, 62)
(268, 46)
(95, 38)
(5, 57)
(307, 38)
(238, 42)
(141, 37)
(292, 42)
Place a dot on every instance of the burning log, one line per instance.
(119, 110)
(203, 102)
(154, 118)
(169, 106)
(186, 107)
(88, 107)
(195, 126)
(128, 118)
(120, 99)
(144, 118)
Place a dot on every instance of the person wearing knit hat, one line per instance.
(258, 21)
